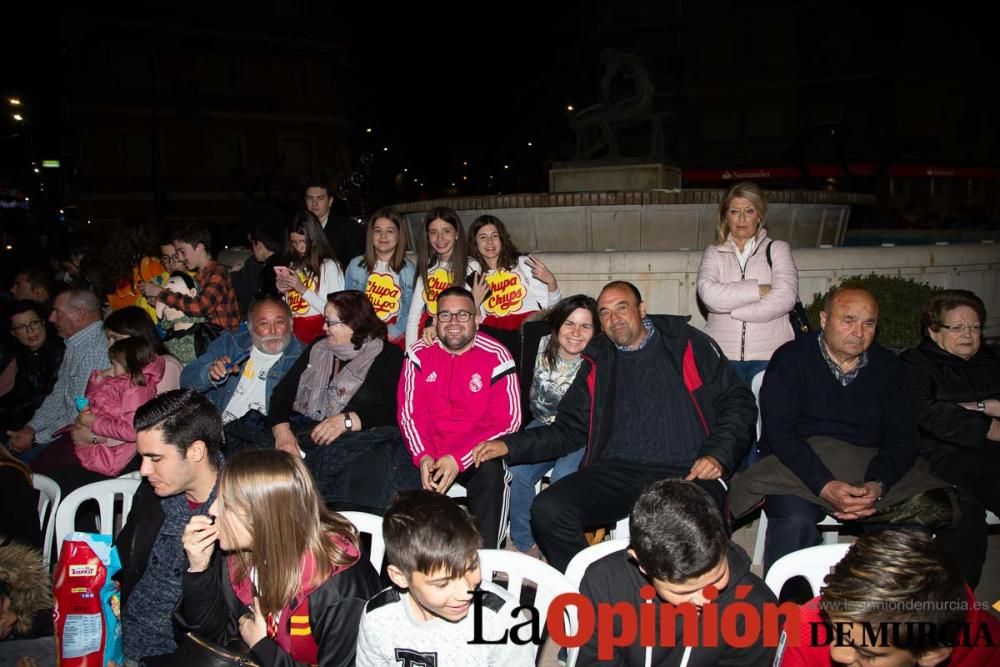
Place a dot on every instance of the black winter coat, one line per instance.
(36, 375)
(210, 609)
(725, 406)
(940, 381)
(616, 579)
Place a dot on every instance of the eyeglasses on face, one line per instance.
(332, 323)
(33, 325)
(957, 329)
(462, 316)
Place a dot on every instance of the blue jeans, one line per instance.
(522, 490)
(746, 370)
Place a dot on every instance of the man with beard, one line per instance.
(454, 393)
(654, 399)
(240, 370)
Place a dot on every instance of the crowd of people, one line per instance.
(257, 402)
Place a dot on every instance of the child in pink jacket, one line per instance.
(114, 394)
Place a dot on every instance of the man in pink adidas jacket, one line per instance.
(453, 394)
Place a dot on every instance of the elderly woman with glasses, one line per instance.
(955, 381)
(30, 375)
(336, 408)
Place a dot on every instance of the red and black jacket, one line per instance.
(724, 404)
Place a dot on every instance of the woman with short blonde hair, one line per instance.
(748, 283)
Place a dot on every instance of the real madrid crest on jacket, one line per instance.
(450, 403)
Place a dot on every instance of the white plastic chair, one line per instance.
(827, 527)
(104, 492)
(578, 567)
(813, 563)
(549, 582)
(370, 524)
(755, 385)
(49, 495)
(620, 531)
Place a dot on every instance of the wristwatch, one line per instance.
(348, 422)
(981, 406)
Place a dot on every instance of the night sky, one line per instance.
(440, 86)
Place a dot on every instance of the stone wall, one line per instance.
(649, 220)
(667, 279)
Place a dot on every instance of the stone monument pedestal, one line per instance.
(614, 175)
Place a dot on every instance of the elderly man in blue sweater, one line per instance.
(843, 386)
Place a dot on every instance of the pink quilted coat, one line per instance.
(114, 401)
(746, 326)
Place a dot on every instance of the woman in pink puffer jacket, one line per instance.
(748, 301)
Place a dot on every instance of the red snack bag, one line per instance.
(87, 615)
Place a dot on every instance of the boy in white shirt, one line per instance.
(428, 617)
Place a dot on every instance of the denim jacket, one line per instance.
(234, 345)
(356, 278)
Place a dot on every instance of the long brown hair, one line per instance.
(286, 518)
(133, 354)
(317, 247)
(508, 251)
(426, 257)
(399, 256)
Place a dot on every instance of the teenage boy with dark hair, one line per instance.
(345, 235)
(427, 617)
(678, 548)
(216, 300)
(178, 436)
(902, 586)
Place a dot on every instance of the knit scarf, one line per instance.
(325, 387)
(278, 625)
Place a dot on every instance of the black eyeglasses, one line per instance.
(958, 329)
(332, 323)
(462, 316)
(33, 325)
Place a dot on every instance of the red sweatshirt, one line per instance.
(982, 624)
(450, 403)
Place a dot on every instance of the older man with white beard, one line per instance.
(239, 371)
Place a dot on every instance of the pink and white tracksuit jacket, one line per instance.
(450, 403)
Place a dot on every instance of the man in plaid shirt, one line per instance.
(216, 299)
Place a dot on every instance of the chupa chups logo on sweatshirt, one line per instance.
(507, 293)
(384, 294)
(739, 624)
(437, 281)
